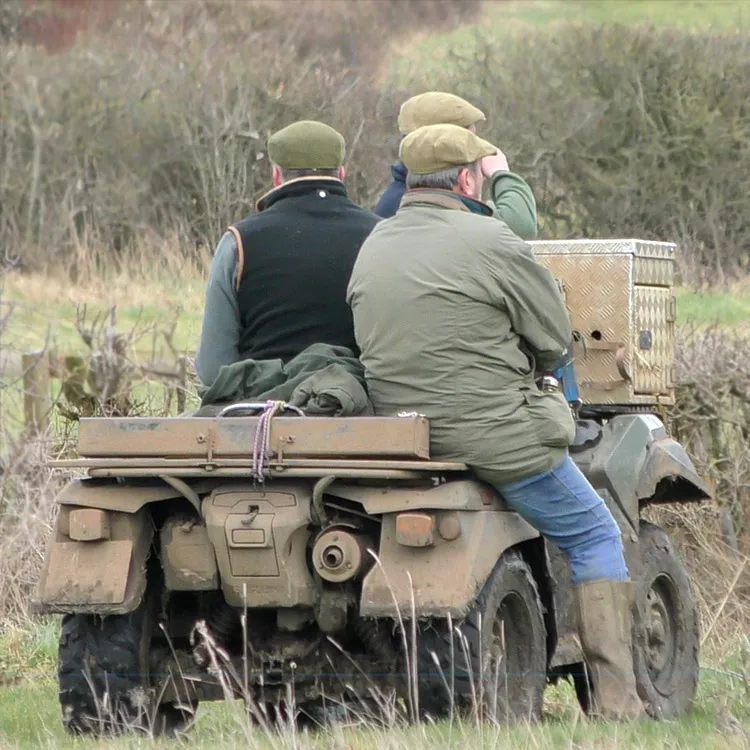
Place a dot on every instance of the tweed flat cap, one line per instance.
(307, 144)
(434, 148)
(435, 107)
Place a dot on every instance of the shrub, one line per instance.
(624, 131)
(162, 132)
(155, 122)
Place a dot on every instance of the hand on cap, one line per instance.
(494, 163)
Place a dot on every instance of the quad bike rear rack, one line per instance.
(294, 447)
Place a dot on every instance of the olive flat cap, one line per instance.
(307, 144)
(435, 107)
(434, 148)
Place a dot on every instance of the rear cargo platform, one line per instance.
(366, 447)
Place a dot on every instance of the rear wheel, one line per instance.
(666, 629)
(104, 681)
(495, 660)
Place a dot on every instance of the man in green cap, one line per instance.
(278, 279)
(456, 320)
(511, 196)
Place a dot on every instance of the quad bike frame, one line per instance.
(354, 541)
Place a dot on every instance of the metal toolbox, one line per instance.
(621, 304)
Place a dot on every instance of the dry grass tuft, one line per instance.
(27, 491)
(712, 418)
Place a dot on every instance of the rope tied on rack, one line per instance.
(262, 438)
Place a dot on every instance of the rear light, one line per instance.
(88, 525)
(415, 529)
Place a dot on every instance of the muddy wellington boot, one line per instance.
(603, 616)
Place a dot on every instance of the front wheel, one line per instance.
(665, 630)
(103, 674)
(494, 661)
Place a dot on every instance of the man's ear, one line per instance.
(342, 173)
(276, 176)
(465, 184)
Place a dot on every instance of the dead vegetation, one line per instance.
(712, 418)
(109, 382)
(153, 124)
(109, 151)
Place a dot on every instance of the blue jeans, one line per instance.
(565, 508)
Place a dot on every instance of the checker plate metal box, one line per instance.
(619, 295)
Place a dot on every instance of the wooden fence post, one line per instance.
(182, 385)
(36, 391)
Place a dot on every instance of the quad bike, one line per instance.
(338, 561)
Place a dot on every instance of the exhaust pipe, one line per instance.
(339, 555)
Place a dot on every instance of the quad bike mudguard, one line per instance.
(437, 546)
(95, 562)
(637, 463)
(631, 463)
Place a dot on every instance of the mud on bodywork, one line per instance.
(103, 575)
(447, 537)
(260, 539)
(187, 555)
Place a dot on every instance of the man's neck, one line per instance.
(472, 204)
(290, 186)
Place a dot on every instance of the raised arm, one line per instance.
(510, 196)
(514, 203)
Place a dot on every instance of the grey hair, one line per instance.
(446, 179)
(294, 174)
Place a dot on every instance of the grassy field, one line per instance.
(692, 14)
(41, 313)
(44, 308)
(162, 307)
(164, 317)
(30, 717)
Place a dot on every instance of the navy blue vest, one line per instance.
(299, 252)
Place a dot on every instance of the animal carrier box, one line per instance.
(619, 295)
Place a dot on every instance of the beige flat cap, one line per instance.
(434, 108)
(434, 148)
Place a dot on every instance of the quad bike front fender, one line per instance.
(434, 563)
(669, 476)
(637, 463)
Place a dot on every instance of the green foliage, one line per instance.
(624, 131)
(158, 128)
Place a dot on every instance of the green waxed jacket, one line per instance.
(323, 380)
(454, 317)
